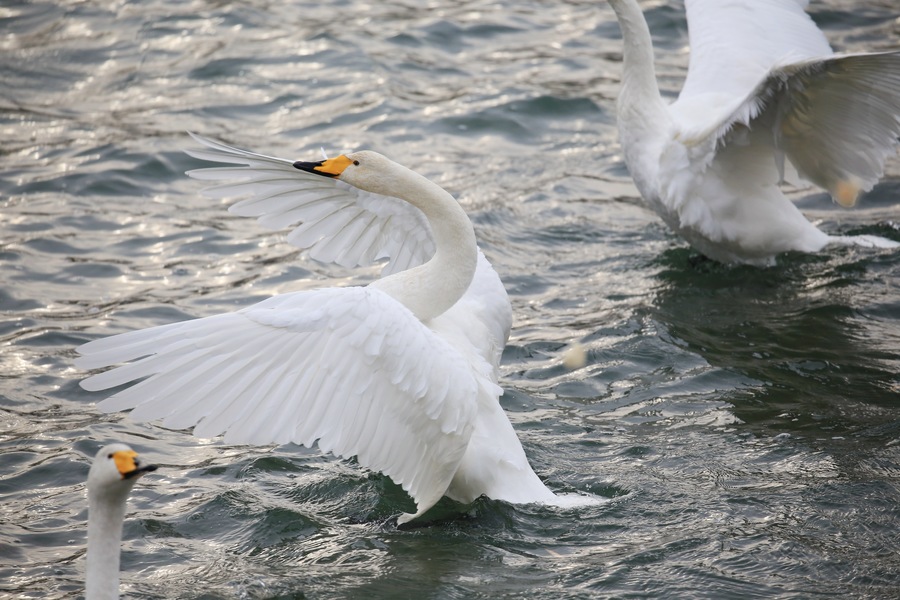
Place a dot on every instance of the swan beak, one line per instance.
(129, 466)
(330, 167)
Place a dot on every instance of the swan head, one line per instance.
(365, 170)
(115, 469)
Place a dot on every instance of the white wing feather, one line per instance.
(836, 120)
(349, 367)
(734, 45)
(336, 222)
(734, 48)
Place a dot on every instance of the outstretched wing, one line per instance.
(335, 221)
(835, 119)
(734, 45)
(349, 367)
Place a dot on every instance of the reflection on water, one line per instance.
(742, 422)
(802, 330)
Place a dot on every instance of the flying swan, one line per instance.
(765, 100)
(113, 473)
(401, 373)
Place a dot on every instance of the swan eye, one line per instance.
(110, 455)
(356, 162)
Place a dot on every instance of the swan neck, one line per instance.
(106, 514)
(430, 289)
(640, 89)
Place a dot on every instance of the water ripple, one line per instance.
(741, 423)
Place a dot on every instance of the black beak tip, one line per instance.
(140, 471)
(310, 167)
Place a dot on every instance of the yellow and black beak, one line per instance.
(128, 464)
(331, 167)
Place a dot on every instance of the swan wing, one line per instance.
(349, 367)
(734, 45)
(835, 120)
(337, 222)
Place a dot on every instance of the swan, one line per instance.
(765, 100)
(402, 373)
(113, 473)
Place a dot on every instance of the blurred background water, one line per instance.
(744, 423)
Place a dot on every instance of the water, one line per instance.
(744, 423)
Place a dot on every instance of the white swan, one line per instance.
(113, 473)
(765, 99)
(401, 374)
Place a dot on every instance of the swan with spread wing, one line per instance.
(402, 373)
(765, 100)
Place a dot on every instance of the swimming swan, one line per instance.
(113, 473)
(765, 100)
(401, 373)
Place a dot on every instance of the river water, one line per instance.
(743, 423)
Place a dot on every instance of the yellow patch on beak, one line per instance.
(330, 167)
(334, 166)
(845, 193)
(125, 462)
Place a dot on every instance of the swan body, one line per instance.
(765, 101)
(113, 473)
(402, 373)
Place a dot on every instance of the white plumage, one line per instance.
(401, 374)
(765, 100)
(338, 223)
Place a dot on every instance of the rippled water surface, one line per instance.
(744, 423)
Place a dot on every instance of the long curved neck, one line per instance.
(430, 289)
(106, 514)
(640, 107)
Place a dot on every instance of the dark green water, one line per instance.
(744, 423)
